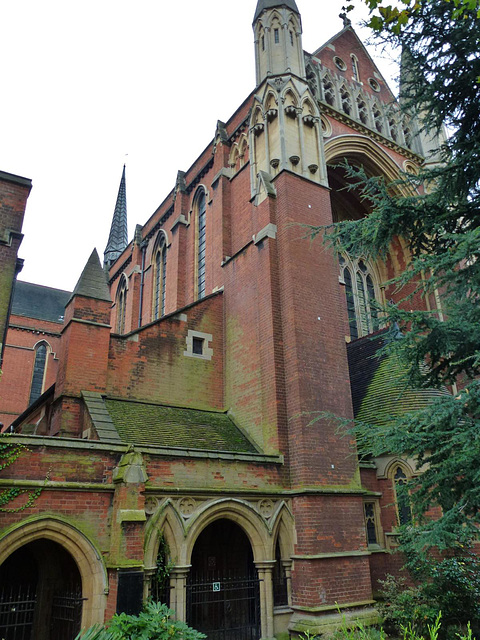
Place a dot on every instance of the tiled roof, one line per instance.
(379, 390)
(157, 425)
(35, 301)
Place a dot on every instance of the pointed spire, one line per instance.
(118, 238)
(262, 5)
(92, 283)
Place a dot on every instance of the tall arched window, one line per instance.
(159, 277)
(201, 218)
(121, 305)
(355, 69)
(404, 511)
(362, 293)
(39, 370)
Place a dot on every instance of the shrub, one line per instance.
(154, 623)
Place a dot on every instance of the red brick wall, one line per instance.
(14, 192)
(22, 336)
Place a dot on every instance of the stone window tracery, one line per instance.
(362, 295)
(328, 91)
(346, 100)
(362, 110)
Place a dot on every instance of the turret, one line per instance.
(83, 358)
(278, 39)
(285, 128)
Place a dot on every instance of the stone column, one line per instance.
(265, 575)
(178, 591)
(287, 568)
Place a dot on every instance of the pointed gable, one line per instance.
(341, 47)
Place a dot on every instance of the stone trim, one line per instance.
(270, 231)
(207, 351)
(100, 417)
(334, 554)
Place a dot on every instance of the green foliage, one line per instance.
(393, 17)
(437, 214)
(9, 453)
(449, 587)
(154, 623)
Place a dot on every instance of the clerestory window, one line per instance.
(201, 232)
(160, 276)
(362, 294)
(121, 305)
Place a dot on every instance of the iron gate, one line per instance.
(66, 615)
(17, 608)
(224, 609)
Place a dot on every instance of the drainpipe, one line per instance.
(143, 247)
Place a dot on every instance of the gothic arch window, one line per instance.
(362, 110)
(362, 294)
(121, 305)
(346, 100)
(280, 588)
(39, 370)
(402, 501)
(355, 68)
(328, 91)
(159, 276)
(200, 241)
(377, 118)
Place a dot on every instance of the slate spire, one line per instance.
(262, 5)
(118, 238)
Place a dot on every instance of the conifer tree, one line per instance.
(440, 223)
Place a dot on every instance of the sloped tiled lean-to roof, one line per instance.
(161, 426)
(36, 301)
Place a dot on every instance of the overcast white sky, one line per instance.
(83, 84)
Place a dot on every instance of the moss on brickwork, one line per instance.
(158, 425)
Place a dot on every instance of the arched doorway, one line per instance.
(40, 593)
(223, 586)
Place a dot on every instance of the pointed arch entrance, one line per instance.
(40, 593)
(223, 586)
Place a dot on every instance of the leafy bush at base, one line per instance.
(154, 623)
(450, 586)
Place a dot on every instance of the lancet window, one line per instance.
(121, 305)
(201, 228)
(362, 294)
(39, 367)
(160, 277)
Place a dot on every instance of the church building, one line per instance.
(173, 405)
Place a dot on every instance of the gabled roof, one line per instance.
(93, 282)
(36, 301)
(347, 31)
(262, 5)
(377, 381)
(146, 424)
